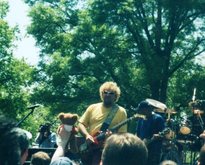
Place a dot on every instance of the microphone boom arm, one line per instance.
(25, 117)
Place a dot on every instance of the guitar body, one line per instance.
(89, 150)
(84, 146)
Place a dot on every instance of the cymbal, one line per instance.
(159, 110)
(157, 104)
(170, 111)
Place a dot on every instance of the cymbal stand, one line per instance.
(201, 122)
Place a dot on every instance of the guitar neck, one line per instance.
(101, 136)
(116, 127)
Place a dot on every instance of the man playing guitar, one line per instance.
(148, 131)
(93, 120)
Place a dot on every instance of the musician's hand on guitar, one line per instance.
(154, 137)
(108, 133)
(89, 139)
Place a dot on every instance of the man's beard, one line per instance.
(107, 102)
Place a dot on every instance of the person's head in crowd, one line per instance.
(62, 161)
(168, 162)
(14, 143)
(201, 160)
(40, 158)
(23, 141)
(45, 129)
(124, 148)
(145, 108)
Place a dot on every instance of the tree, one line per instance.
(15, 75)
(138, 44)
(165, 34)
(182, 85)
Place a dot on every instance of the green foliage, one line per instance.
(144, 46)
(182, 85)
(15, 75)
(4, 8)
(148, 47)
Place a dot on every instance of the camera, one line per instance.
(43, 128)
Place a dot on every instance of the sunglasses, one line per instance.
(108, 92)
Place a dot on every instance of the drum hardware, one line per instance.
(185, 142)
(201, 122)
(171, 111)
(194, 95)
(185, 130)
(159, 110)
(168, 111)
(185, 126)
(172, 125)
(190, 142)
(170, 151)
(198, 112)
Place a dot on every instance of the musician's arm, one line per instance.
(38, 137)
(202, 136)
(84, 132)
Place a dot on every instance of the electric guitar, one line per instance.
(155, 137)
(100, 137)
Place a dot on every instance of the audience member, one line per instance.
(45, 138)
(40, 158)
(14, 143)
(124, 148)
(59, 157)
(62, 140)
(168, 162)
(62, 161)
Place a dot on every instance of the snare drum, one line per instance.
(185, 127)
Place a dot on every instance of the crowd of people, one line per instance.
(103, 145)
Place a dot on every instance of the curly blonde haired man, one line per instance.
(93, 119)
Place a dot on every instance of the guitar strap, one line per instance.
(109, 118)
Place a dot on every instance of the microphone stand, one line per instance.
(25, 117)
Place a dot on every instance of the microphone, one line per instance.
(33, 106)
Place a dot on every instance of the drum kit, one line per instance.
(180, 135)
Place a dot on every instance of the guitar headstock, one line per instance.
(139, 116)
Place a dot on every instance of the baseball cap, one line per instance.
(62, 161)
(144, 105)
